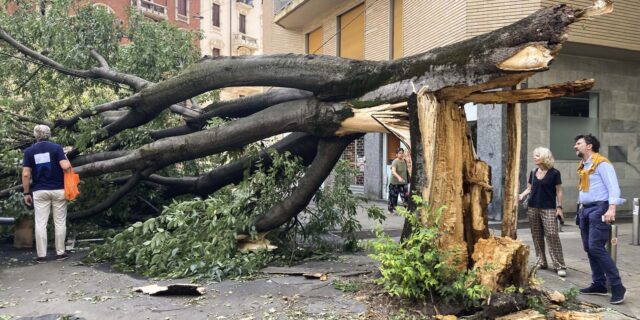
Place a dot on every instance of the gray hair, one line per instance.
(547, 157)
(41, 132)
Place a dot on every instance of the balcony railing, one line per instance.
(247, 2)
(149, 8)
(279, 5)
(240, 39)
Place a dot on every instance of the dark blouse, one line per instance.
(543, 191)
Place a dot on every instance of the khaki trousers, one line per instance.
(43, 201)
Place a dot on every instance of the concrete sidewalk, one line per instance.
(578, 272)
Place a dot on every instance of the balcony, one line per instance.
(243, 40)
(247, 2)
(294, 14)
(151, 9)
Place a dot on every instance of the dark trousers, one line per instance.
(595, 235)
(396, 190)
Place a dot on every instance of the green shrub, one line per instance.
(571, 294)
(197, 237)
(346, 286)
(416, 268)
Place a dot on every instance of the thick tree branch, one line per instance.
(131, 101)
(311, 116)
(26, 118)
(531, 94)
(93, 73)
(329, 152)
(7, 192)
(237, 108)
(95, 157)
(113, 198)
(298, 144)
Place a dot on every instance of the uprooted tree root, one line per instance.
(535, 301)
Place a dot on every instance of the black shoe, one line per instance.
(62, 257)
(617, 294)
(41, 259)
(595, 290)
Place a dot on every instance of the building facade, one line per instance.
(178, 12)
(231, 28)
(606, 48)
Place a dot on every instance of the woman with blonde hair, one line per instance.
(544, 205)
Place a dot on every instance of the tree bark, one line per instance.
(298, 144)
(329, 152)
(511, 177)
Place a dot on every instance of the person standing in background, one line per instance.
(43, 186)
(599, 196)
(545, 204)
(398, 181)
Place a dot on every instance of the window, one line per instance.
(571, 116)
(182, 7)
(215, 52)
(314, 41)
(242, 27)
(351, 26)
(215, 15)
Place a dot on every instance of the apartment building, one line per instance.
(232, 28)
(178, 12)
(607, 49)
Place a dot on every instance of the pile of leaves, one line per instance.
(197, 238)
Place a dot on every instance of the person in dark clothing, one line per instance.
(545, 204)
(398, 180)
(43, 186)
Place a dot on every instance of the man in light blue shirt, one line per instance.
(599, 196)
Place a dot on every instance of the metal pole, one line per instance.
(7, 221)
(635, 231)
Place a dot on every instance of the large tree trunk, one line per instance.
(332, 99)
(511, 177)
(450, 176)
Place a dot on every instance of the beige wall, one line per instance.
(619, 29)
(618, 86)
(377, 30)
(278, 39)
(431, 24)
(484, 16)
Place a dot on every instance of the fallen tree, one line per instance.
(328, 101)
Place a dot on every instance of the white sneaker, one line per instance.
(562, 273)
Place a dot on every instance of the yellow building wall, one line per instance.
(619, 29)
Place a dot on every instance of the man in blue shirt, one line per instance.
(599, 196)
(44, 162)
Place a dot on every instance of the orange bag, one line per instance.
(71, 181)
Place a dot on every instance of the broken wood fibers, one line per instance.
(456, 179)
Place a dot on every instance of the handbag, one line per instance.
(525, 201)
(71, 181)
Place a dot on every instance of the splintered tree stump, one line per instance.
(528, 314)
(501, 262)
(576, 315)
